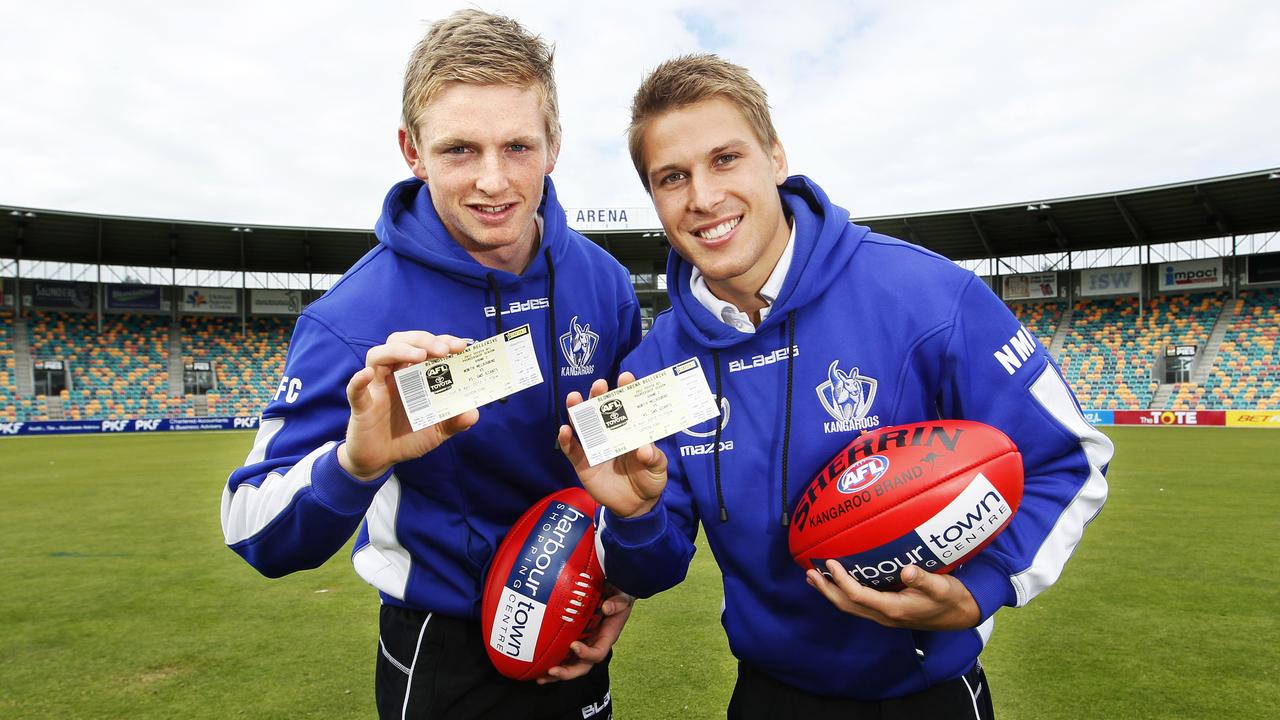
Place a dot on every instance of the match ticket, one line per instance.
(648, 409)
(441, 388)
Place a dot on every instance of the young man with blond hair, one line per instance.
(472, 244)
(868, 332)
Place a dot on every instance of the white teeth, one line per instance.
(720, 230)
(493, 209)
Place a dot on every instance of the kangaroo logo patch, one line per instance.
(847, 398)
(578, 347)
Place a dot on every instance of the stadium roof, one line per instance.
(1241, 204)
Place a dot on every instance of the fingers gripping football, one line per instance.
(929, 601)
(594, 648)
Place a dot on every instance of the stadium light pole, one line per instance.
(99, 294)
(244, 282)
(20, 218)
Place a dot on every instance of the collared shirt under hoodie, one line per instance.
(917, 334)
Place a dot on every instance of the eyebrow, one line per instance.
(449, 142)
(731, 145)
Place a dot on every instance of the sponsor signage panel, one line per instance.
(1190, 275)
(54, 294)
(1218, 418)
(1100, 417)
(1023, 287)
(1171, 417)
(1254, 418)
(135, 297)
(69, 427)
(209, 300)
(275, 302)
(214, 423)
(1126, 280)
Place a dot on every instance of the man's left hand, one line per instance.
(616, 608)
(928, 602)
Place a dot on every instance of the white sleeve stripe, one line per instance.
(251, 508)
(1052, 393)
(268, 428)
(383, 562)
(985, 629)
(599, 542)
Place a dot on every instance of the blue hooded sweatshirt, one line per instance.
(428, 527)
(913, 337)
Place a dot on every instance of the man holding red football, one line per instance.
(469, 246)
(861, 331)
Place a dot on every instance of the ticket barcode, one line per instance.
(590, 428)
(414, 391)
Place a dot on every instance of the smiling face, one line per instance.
(483, 152)
(715, 187)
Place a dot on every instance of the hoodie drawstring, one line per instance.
(715, 452)
(785, 520)
(786, 431)
(497, 310)
(551, 304)
(556, 400)
(497, 300)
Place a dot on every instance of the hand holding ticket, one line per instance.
(638, 413)
(441, 388)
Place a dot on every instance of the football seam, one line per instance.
(556, 635)
(906, 498)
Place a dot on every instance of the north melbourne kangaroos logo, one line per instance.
(847, 397)
(578, 346)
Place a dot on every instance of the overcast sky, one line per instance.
(285, 113)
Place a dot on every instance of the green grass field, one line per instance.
(119, 600)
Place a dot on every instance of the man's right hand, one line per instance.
(378, 433)
(630, 484)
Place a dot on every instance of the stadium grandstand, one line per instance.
(1163, 300)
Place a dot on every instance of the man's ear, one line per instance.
(779, 158)
(410, 152)
(553, 154)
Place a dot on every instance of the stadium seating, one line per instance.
(1111, 348)
(248, 366)
(1108, 356)
(118, 373)
(1246, 374)
(8, 383)
(1041, 318)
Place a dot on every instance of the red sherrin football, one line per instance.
(928, 494)
(544, 586)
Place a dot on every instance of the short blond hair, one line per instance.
(690, 79)
(479, 48)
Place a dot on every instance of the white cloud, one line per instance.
(285, 112)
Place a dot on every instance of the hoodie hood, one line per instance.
(825, 240)
(410, 227)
